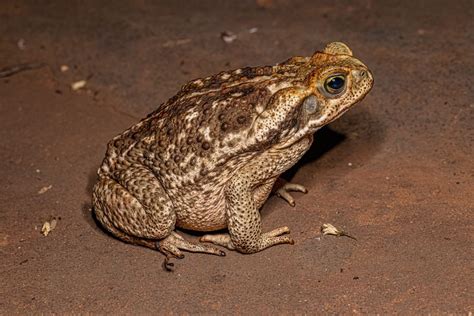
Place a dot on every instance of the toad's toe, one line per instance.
(284, 192)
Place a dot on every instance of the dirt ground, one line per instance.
(396, 171)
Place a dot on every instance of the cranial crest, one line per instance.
(337, 48)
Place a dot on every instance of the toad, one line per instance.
(207, 159)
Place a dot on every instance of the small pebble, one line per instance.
(21, 44)
(78, 85)
(228, 37)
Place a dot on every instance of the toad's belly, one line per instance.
(204, 212)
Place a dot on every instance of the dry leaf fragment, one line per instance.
(329, 229)
(49, 226)
(46, 228)
(45, 189)
(78, 85)
(53, 223)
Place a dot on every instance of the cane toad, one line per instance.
(207, 159)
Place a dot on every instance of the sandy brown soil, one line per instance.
(396, 171)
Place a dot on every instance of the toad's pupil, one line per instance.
(336, 83)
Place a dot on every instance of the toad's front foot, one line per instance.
(284, 192)
(266, 240)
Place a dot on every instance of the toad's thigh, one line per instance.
(115, 205)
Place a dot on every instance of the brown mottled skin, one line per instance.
(208, 158)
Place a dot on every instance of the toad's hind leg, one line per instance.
(174, 243)
(127, 218)
(140, 212)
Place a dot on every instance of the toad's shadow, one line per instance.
(87, 211)
(327, 139)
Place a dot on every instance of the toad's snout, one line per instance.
(362, 74)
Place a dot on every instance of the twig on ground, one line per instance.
(13, 70)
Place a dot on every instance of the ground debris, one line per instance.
(329, 229)
(49, 226)
(21, 44)
(177, 42)
(228, 37)
(78, 85)
(253, 30)
(45, 189)
(12, 70)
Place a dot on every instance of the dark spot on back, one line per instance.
(205, 146)
(248, 72)
(118, 143)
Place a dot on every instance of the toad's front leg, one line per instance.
(245, 194)
(244, 223)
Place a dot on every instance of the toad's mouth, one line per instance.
(295, 138)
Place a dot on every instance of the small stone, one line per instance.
(228, 37)
(21, 44)
(78, 85)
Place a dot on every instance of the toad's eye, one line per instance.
(335, 84)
